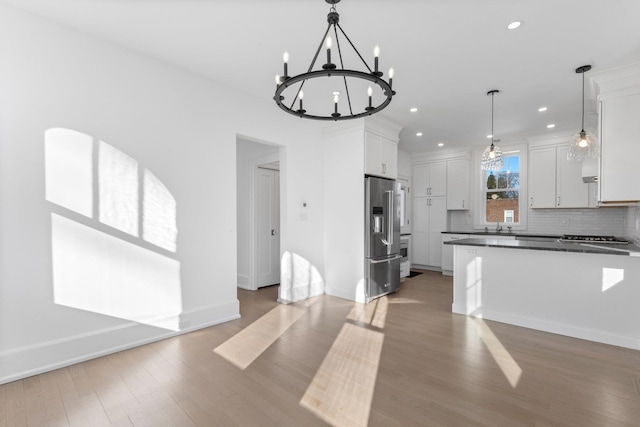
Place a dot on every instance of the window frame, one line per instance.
(480, 221)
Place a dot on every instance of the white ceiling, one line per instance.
(446, 53)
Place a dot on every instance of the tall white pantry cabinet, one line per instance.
(438, 186)
(429, 213)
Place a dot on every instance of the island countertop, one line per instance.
(605, 249)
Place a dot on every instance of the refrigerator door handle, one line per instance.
(380, 261)
(389, 240)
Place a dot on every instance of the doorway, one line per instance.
(258, 214)
(267, 214)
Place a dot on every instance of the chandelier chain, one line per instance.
(344, 79)
(354, 48)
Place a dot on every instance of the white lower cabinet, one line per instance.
(447, 252)
(429, 221)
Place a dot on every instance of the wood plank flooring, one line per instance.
(404, 360)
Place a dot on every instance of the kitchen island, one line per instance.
(584, 291)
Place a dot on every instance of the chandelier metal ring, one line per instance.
(386, 89)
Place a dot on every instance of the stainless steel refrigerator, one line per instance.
(382, 237)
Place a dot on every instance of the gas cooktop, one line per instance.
(577, 238)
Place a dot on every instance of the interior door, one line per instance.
(268, 227)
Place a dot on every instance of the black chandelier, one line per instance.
(286, 83)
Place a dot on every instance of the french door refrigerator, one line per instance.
(382, 237)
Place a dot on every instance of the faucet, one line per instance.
(498, 226)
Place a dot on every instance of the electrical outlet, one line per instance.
(184, 324)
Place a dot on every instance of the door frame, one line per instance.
(253, 217)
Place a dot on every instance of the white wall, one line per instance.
(344, 213)
(180, 127)
(404, 163)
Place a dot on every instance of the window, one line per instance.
(508, 216)
(502, 191)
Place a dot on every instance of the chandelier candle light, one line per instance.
(584, 145)
(339, 76)
(492, 158)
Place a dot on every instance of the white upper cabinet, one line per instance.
(458, 184)
(429, 179)
(620, 155)
(381, 156)
(554, 181)
(619, 119)
(542, 178)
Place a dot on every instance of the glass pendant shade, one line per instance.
(584, 145)
(492, 158)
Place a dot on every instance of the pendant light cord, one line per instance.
(583, 101)
(492, 134)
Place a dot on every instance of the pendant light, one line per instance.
(583, 145)
(492, 158)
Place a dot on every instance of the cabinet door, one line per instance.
(420, 231)
(372, 160)
(389, 158)
(420, 180)
(458, 184)
(447, 251)
(571, 192)
(381, 156)
(437, 179)
(437, 224)
(542, 178)
(620, 127)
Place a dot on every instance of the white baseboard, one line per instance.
(35, 359)
(299, 293)
(243, 282)
(340, 293)
(552, 327)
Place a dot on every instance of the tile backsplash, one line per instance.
(617, 221)
(633, 224)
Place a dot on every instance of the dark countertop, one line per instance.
(606, 249)
(505, 233)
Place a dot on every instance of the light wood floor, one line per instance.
(402, 361)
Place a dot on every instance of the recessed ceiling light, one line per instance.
(542, 109)
(440, 144)
(550, 126)
(419, 134)
(514, 25)
(413, 110)
(489, 136)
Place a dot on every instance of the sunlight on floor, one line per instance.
(247, 345)
(342, 390)
(373, 313)
(509, 366)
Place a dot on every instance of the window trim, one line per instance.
(479, 183)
